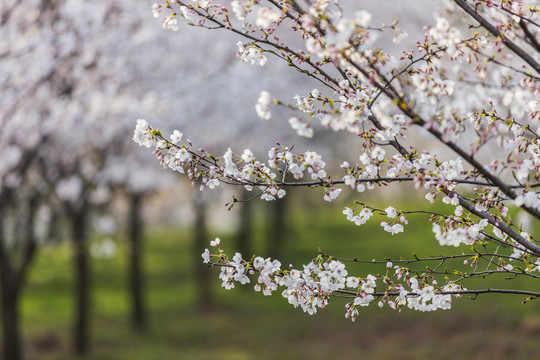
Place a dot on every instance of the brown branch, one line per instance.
(533, 294)
(416, 259)
(529, 35)
(499, 34)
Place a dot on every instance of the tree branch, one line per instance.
(499, 34)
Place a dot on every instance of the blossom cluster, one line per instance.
(456, 115)
(247, 170)
(244, 169)
(250, 53)
(312, 286)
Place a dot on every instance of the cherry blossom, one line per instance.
(454, 114)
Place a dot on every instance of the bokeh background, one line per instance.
(100, 246)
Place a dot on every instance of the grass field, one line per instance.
(243, 324)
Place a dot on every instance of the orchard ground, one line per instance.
(243, 324)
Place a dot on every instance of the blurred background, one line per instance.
(100, 247)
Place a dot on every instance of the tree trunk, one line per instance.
(82, 281)
(138, 316)
(202, 273)
(11, 348)
(244, 227)
(12, 279)
(276, 228)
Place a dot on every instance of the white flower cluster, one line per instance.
(267, 16)
(186, 13)
(451, 169)
(298, 164)
(156, 9)
(301, 128)
(250, 53)
(445, 35)
(332, 194)
(399, 35)
(337, 37)
(252, 169)
(425, 298)
(429, 87)
(304, 103)
(264, 103)
(528, 198)
(245, 169)
(432, 97)
(234, 272)
(314, 164)
(172, 155)
(370, 168)
(518, 253)
(363, 298)
(363, 216)
(460, 235)
(392, 127)
(143, 135)
(392, 229)
(170, 23)
(354, 110)
(240, 9)
(432, 169)
(534, 267)
(330, 35)
(311, 287)
(205, 4)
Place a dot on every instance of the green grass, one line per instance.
(242, 324)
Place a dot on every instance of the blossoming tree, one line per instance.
(456, 116)
(68, 87)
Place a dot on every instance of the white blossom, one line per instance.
(264, 103)
(250, 53)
